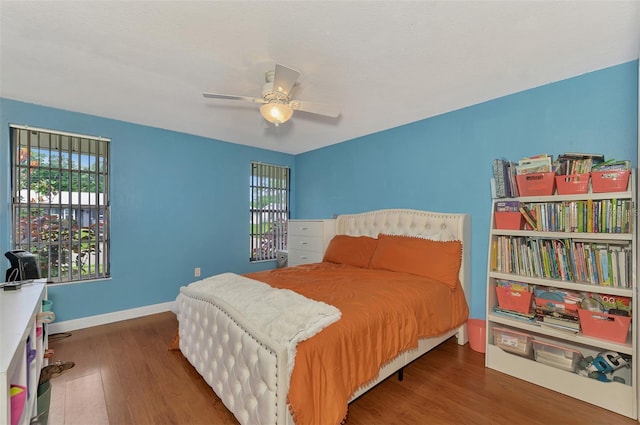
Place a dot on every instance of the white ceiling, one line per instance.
(384, 64)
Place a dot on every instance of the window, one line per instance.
(60, 202)
(269, 210)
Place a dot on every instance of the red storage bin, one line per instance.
(536, 184)
(508, 220)
(604, 326)
(509, 299)
(609, 181)
(572, 184)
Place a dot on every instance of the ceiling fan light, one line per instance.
(276, 113)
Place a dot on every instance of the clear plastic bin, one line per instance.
(513, 341)
(556, 355)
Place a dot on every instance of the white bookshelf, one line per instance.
(18, 313)
(618, 397)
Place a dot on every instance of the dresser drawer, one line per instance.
(305, 228)
(305, 243)
(297, 257)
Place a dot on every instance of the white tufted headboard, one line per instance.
(432, 225)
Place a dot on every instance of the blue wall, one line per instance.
(178, 202)
(444, 163)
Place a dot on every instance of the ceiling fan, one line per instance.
(277, 104)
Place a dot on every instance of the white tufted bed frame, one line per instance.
(248, 371)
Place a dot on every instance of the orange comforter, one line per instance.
(383, 314)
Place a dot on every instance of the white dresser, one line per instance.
(308, 239)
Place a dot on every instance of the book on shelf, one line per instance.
(528, 317)
(498, 176)
(595, 157)
(571, 163)
(564, 259)
(615, 266)
(556, 305)
(623, 266)
(565, 319)
(559, 327)
(584, 216)
(558, 302)
(513, 285)
(507, 206)
(529, 217)
(535, 164)
(513, 191)
(613, 165)
(606, 303)
(504, 179)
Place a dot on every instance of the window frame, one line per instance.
(269, 209)
(51, 215)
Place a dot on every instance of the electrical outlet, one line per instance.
(196, 272)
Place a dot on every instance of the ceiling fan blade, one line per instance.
(284, 78)
(315, 108)
(232, 97)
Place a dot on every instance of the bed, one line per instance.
(264, 378)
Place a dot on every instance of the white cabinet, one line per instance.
(19, 327)
(554, 259)
(308, 239)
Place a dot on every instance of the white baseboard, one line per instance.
(103, 319)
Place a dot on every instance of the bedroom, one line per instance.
(440, 163)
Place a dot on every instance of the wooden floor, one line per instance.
(124, 374)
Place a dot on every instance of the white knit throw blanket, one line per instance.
(284, 315)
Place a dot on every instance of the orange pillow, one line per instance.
(351, 250)
(433, 259)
